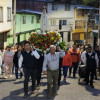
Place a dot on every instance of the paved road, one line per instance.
(13, 90)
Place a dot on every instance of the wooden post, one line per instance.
(14, 23)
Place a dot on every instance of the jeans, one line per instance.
(65, 69)
(16, 73)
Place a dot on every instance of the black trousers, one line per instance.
(39, 69)
(95, 74)
(59, 77)
(90, 76)
(27, 74)
(38, 76)
(74, 66)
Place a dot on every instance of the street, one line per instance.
(13, 90)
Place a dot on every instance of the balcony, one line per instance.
(56, 27)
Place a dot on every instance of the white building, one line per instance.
(5, 21)
(69, 20)
(61, 18)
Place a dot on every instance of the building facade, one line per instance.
(5, 21)
(27, 21)
(70, 20)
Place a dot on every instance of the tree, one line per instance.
(91, 3)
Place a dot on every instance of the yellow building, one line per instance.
(83, 24)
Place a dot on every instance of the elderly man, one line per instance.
(51, 68)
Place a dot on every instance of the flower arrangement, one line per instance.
(43, 41)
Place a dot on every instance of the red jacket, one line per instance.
(67, 60)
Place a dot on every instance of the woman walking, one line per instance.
(67, 62)
(8, 61)
(15, 61)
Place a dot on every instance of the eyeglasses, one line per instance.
(54, 57)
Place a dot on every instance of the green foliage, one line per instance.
(62, 45)
(91, 2)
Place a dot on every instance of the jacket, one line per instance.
(75, 55)
(67, 60)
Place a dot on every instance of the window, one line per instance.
(68, 36)
(8, 14)
(24, 19)
(1, 14)
(79, 24)
(67, 7)
(32, 20)
(53, 22)
(64, 22)
(80, 12)
(54, 7)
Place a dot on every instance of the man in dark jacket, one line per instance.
(29, 60)
(91, 62)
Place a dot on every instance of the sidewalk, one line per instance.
(13, 90)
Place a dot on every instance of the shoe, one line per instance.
(74, 76)
(64, 80)
(86, 83)
(5, 77)
(25, 95)
(48, 97)
(38, 87)
(54, 94)
(58, 84)
(10, 76)
(91, 86)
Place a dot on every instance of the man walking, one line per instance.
(91, 62)
(75, 54)
(28, 59)
(52, 61)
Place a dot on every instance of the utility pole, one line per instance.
(14, 23)
(99, 26)
(86, 29)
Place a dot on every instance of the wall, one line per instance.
(20, 27)
(5, 25)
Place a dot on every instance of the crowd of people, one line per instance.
(28, 62)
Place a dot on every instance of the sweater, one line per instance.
(8, 57)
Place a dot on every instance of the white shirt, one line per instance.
(83, 56)
(20, 61)
(0, 61)
(96, 58)
(52, 61)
